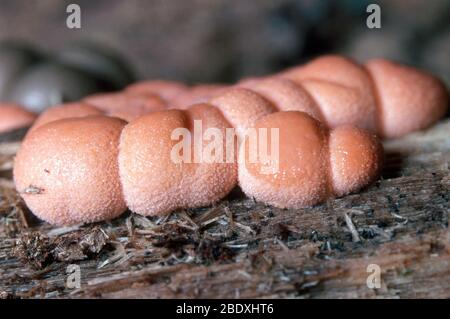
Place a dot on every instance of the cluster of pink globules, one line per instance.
(91, 160)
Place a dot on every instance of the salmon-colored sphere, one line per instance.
(67, 170)
(242, 107)
(341, 88)
(13, 116)
(155, 179)
(127, 106)
(286, 95)
(331, 68)
(167, 90)
(356, 157)
(65, 111)
(304, 175)
(409, 99)
(200, 93)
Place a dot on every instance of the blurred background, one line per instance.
(225, 40)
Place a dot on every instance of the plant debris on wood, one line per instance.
(39, 251)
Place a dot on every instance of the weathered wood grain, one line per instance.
(240, 248)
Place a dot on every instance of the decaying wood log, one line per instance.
(240, 248)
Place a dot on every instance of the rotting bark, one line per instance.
(240, 248)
